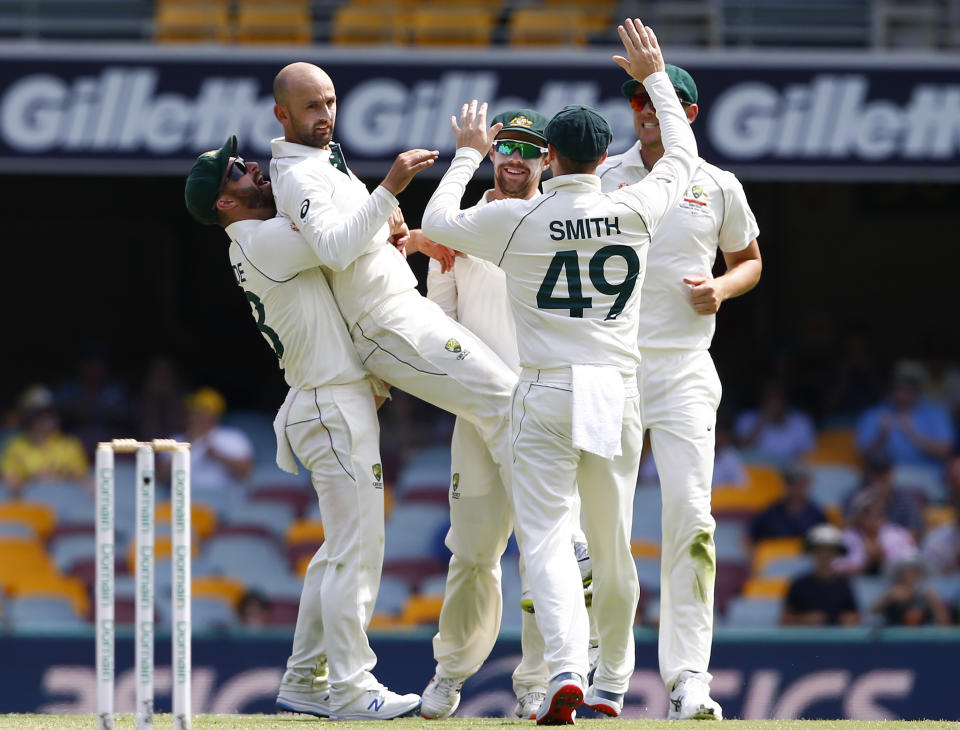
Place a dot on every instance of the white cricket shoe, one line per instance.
(528, 705)
(305, 691)
(690, 699)
(377, 704)
(564, 696)
(600, 700)
(441, 697)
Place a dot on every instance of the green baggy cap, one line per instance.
(682, 82)
(203, 182)
(579, 133)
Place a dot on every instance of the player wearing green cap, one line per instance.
(474, 293)
(574, 261)
(679, 383)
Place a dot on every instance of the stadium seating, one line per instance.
(203, 518)
(39, 517)
(285, 21)
(561, 26)
(421, 609)
(451, 25)
(223, 588)
(769, 587)
(752, 612)
(392, 596)
(362, 24)
(833, 483)
(70, 500)
(212, 614)
(41, 612)
(775, 549)
(835, 446)
(185, 21)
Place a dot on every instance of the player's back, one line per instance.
(574, 265)
(301, 176)
(292, 304)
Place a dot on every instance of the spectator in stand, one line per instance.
(40, 450)
(727, 463)
(873, 543)
(941, 548)
(253, 611)
(855, 382)
(908, 602)
(792, 516)
(822, 597)
(220, 456)
(160, 405)
(906, 427)
(775, 431)
(94, 406)
(899, 507)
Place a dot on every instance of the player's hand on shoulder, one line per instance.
(643, 51)
(407, 165)
(472, 130)
(706, 295)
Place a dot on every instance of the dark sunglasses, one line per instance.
(639, 101)
(528, 151)
(237, 169)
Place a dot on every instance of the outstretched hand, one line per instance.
(643, 51)
(472, 130)
(407, 165)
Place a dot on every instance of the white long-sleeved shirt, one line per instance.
(292, 303)
(713, 212)
(574, 258)
(335, 212)
(474, 293)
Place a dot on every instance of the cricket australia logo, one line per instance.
(695, 198)
(454, 347)
(377, 475)
(455, 486)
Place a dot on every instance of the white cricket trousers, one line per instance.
(679, 395)
(546, 472)
(334, 431)
(409, 342)
(481, 520)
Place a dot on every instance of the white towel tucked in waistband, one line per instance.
(598, 398)
(285, 458)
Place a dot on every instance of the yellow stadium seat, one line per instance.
(777, 548)
(451, 25)
(286, 21)
(190, 22)
(564, 26)
(766, 587)
(39, 516)
(22, 557)
(645, 549)
(383, 621)
(835, 446)
(219, 586)
(303, 562)
(304, 531)
(936, 515)
(52, 584)
(364, 25)
(834, 514)
(421, 609)
(203, 518)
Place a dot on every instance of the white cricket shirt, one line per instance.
(292, 304)
(713, 212)
(474, 293)
(335, 207)
(574, 257)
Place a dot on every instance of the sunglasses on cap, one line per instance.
(528, 150)
(639, 101)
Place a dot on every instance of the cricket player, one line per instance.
(679, 387)
(574, 261)
(328, 419)
(474, 293)
(401, 336)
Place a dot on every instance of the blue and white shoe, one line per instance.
(604, 702)
(377, 704)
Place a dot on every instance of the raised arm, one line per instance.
(660, 191)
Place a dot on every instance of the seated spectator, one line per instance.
(253, 611)
(873, 543)
(899, 507)
(907, 428)
(855, 382)
(822, 597)
(94, 406)
(941, 547)
(727, 462)
(792, 516)
(775, 430)
(908, 602)
(160, 402)
(41, 451)
(220, 456)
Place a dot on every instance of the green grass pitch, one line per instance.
(284, 722)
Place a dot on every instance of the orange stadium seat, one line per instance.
(22, 557)
(564, 26)
(443, 25)
(304, 531)
(219, 586)
(162, 550)
(645, 549)
(363, 24)
(53, 585)
(178, 21)
(596, 16)
(835, 446)
(936, 515)
(38, 516)
(766, 587)
(421, 609)
(203, 519)
(288, 21)
(768, 551)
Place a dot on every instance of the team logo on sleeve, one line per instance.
(304, 207)
(455, 486)
(377, 475)
(452, 345)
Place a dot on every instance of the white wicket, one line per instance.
(180, 560)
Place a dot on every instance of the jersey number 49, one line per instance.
(569, 263)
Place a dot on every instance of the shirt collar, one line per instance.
(238, 228)
(485, 198)
(279, 147)
(577, 182)
(633, 156)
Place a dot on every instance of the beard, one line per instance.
(311, 137)
(511, 187)
(256, 198)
